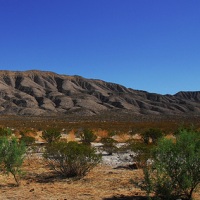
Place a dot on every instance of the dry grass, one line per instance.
(101, 133)
(102, 127)
(102, 182)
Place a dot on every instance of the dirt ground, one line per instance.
(103, 182)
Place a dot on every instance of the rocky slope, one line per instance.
(46, 93)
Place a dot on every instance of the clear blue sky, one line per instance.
(151, 45)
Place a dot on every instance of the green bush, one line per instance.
(12, 154)
(51, 135)
(109, 145)
(28, 140)
(71, 159)
(87, 136)
(183, 127)
(151, 134)
(5, 132)
(175, 169)
(142, 151)
(112, 133)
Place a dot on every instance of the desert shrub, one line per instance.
(109, 145)
(71, 159)
(28, 140)
(5, 132)
(142, 151)
(112, 133)
(153, 134)
(51, 135)
(87, 136)
(175, 169)
(12, 154)
(184, 127)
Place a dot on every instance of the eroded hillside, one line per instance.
(46, 93)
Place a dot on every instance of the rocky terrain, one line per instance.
(38, 93)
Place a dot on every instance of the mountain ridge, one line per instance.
(35, 93)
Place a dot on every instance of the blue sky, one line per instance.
(151, 45)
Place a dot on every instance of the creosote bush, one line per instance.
(28, 140)
(71, 159)
(175, 170)
(142, 151)
(51, 135)
(5, 132)
(109, 145)
(12, 154)
(87, 136)
(152, 134)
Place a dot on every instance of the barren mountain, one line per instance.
(37, 93)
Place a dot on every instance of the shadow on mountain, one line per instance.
(38, 93)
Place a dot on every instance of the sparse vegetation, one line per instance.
(12, 154)
(28, 140)
(87, 136)
(142, 148)
(51, 135)
(142, 151)
(109, 145)
(175, 169)
(151, 135)
(35, 175)
(5, 132)
(71, 159)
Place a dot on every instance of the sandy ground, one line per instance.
(103, 182)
